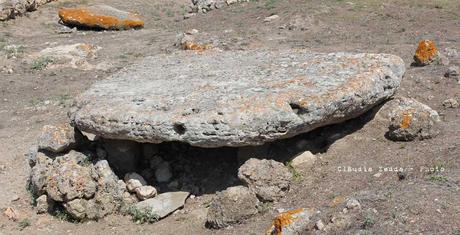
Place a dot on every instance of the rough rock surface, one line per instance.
(233, 205)
(58, 138)
(9, 9)
(83, 189)
(410, 119)
(163, 204)
(269, 179)
(73, 56)
(201, 99)
(292, 222)
(100, 16)
(426, 53)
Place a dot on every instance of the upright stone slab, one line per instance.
(235, 98)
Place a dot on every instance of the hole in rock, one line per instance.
(179, 128)
(297, 109)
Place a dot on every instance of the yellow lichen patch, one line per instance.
(406, 120)
(426, 52)
(87, 18)
(195, 47)
(283, 220)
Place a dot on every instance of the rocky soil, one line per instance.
(392, 170)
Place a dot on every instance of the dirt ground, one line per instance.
(422, 203)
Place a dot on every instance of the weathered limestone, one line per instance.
(233, 205)
(235, 98)
(268, 179)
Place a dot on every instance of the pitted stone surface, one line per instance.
(214, 99)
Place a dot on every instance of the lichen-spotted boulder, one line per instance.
(101, 17)
(235, 98)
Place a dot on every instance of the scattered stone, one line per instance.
(426, 53)
(134, 181)
(11, 214)
(352, 204)
(58, 138)
(123, 155)
(10, 9)
(292, 222)
(453, 71)
(443, 60)
(304, 160)
(73, 56)
(218, 106)
(319, 225)
(271, 18)
(100, 17)
(189, 15)
(44, 205)
(451, 52)
(450, 103)
(402, 175)
(145, 192)
(410, 119)
(163, 173)
(163, 204)
(269, 179)
(231, 206)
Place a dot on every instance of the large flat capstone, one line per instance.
(235, 98)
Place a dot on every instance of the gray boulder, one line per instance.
(269, 179)
(231, 206)
(201, 99)
(410, 119)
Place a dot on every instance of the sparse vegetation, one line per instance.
(270, 4)
(63, 215)
(41, 63)
(24, 224)
(296, 175)
(369, 221)
(142, 217)
(265, 207)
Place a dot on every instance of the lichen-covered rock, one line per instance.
(293, 222)
(85, 190)
(426, 53)
(59, 138)
(100, 16)
(70, 177)
(231, 206)
(202, 100)
(410, 119)
(269, 179)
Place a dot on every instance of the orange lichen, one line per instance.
(406, 120)
(85, 17)
(195, 47)
(285, 219)
(426, 52)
